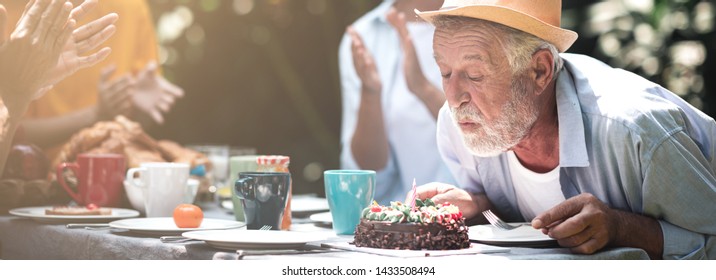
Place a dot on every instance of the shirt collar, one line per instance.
(572, 143)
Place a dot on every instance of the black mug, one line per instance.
(264, 196)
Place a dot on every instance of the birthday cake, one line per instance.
(424, 226)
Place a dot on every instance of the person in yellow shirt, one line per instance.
(126, 83)
(43, 48)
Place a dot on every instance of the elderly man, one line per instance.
(591, 155)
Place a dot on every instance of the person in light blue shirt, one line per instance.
(591, 155)
(391, 99)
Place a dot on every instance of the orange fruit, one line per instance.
(188, 216)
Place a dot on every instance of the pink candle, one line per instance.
(412, 201)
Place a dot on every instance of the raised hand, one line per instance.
(414, 76)
(32, 50)
(154, 95)
(79, 12)
(115, 96)
(415, 79)
(84, 39)
(364, 64)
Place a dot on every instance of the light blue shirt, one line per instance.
(409, 125)
(631, 143)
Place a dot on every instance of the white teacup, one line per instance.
(163, 186)
(135, 195)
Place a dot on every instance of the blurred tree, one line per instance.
(666, 41)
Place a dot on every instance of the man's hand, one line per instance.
(364, 64)
(582, 223)
(469, 204)
(154, 95)
(115, 96)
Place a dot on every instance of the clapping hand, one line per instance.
(83, 40)
(153, 94)
(147, 92)
(32, 50)
(414, 77)
(115, 96)
(364, 64)
(44, 48)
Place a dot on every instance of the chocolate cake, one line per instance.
(399, 226)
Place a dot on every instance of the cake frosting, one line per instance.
(427, 226)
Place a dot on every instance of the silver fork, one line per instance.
(497, 222)
(266, 227)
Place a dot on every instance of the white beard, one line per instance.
(506, 131)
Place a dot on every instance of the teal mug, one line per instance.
(348, 192)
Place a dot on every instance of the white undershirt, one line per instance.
(536, 192)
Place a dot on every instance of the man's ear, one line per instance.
(542, 69)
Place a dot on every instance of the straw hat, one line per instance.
(537, 17)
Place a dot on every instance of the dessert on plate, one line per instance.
(89, 210)
(424, 226)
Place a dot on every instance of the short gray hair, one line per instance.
(520, 45)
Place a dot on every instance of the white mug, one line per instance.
(135, 194)
(163, 185)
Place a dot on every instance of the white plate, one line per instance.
(304, 204)
(254, 239)
(474, 248)
(166, 226)
(38, 214)
(524, 236)
(324, 217)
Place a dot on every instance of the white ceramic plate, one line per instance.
(473, 249)
(524, 236)
(323, 217)
(166, 226)
(254, 239)
(38, 214)
(303, 204)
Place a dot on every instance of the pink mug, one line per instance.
(99, 179)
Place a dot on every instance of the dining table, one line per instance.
(23, 238)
